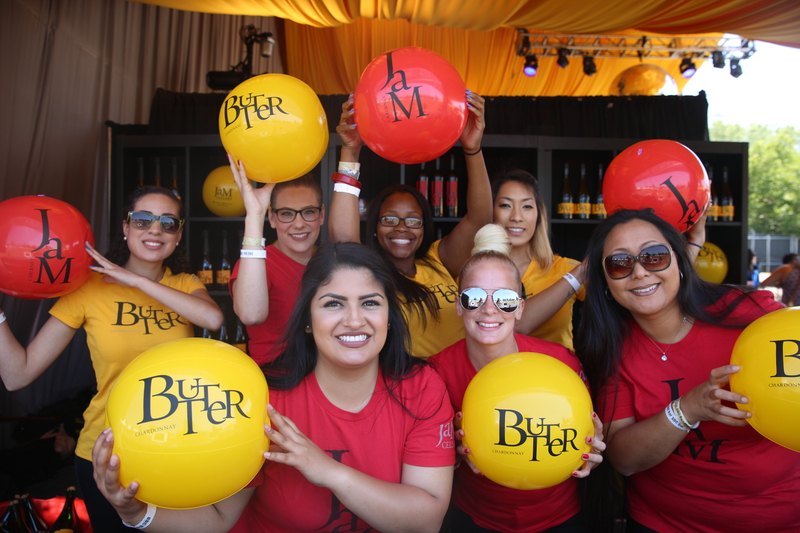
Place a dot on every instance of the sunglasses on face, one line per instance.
(287, 214)
(654, 258)
(142, 220)
(391, 221)
(505, 300)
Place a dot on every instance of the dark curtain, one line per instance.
(634, 117)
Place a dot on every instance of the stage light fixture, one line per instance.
(687, 68)
(562, 60)
(589, 68)
(225, 80)
(718, 59)
(736, 68)
(531, 66)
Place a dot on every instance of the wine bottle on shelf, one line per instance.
(599, 207)
(206, 334)
(67, 521)
(566, 207)
(240, 340)
(223, 331)
(141, 171)
(7, 513)
(223, 274)
(437, 192)
(584, 205)
(32, 519)
(422, 181)
(206, 272)
(175, 190)
(713, 208)
(158, 172)
(452, 189)
(726, 200)
(15, 523)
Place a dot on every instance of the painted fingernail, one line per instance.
(575, 474)
(594, 415)
(585, 456)
(590, 440)
(470, 105)
(480, 473)
(459, 415)
(466, 451)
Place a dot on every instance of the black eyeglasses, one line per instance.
(473, 299)
(287, 214)
(410, 222)
(654, 258)
(143, 220)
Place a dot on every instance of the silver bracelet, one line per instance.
(147, 520)
(2, 317)
(573, 281)
(253, 254)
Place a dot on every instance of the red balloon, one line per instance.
(663, 175)
(42, 247)
(410, 105)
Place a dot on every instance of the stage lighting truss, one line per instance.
(718, 49)
(226, 80)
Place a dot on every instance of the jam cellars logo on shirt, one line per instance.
(691, 211)
(50, 258)
(397, 88)
(251, 107)
(551, 438)
(129, 315)
(446, 436)
(210, 399)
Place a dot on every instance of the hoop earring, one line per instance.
(608, 295)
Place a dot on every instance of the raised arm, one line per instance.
(344, 222)
(250, 289)
(540, 307)
(696, 236)
(456, 247)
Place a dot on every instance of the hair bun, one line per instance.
(492, 238)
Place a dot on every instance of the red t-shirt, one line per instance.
(283, 283)
(494, 506)
(378, 440)
(720, 478)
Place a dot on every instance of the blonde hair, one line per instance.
(491, 244)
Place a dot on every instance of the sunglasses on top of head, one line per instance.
(473, 299)
(654, 258)
(143, 220)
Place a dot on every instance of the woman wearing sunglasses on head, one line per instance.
(140, 295)
(490, 307)
(656, 342)
(400, 228)
(265, 280)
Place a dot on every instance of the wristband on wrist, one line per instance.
(338, 177)
(349, 189)
(673, 418)
(147, 520)
(253, 241)
(573, 281)
(354, 166)
(676, 408)
(476, 152)
(253, 254)
(695, 244)
(2, 317)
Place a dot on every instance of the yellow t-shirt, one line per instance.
(559, 327)
(120, 323)
(440, 334)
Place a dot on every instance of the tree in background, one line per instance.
(774, 173)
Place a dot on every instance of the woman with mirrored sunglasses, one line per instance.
(265, 280)
(490, 306)
(656, 343)
(399, 227)
(142, 293)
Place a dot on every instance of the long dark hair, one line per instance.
(119, 253)
(299, 356)
(417, 297)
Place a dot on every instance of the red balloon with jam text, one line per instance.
(663, 175)
(42, 247)
(410, 105)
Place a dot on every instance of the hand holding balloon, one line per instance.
(256, 201)
(348, 129)
(462, 451)
(476, 123)
(704, 402)
(595, 456)
(106, 474)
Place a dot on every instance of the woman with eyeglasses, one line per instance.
(265, 279)
(490, 306)
(361, 432)
(141, 294)
(656, 343)
(400, 228)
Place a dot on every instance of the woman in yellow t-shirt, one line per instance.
(141, 295)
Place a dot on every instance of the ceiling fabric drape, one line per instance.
(776, 21)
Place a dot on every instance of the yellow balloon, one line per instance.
(644, 80)
(768, 352)
(188, 419)
(275, 125)
(221, 195)
(526, 418)
(711, 263)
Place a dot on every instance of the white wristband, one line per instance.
(672, 417)
(573, 281)
(349, 189)
(2, 317)
(147, 520)
(253, 254)
(676, 408)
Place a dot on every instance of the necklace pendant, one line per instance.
(664, 357)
